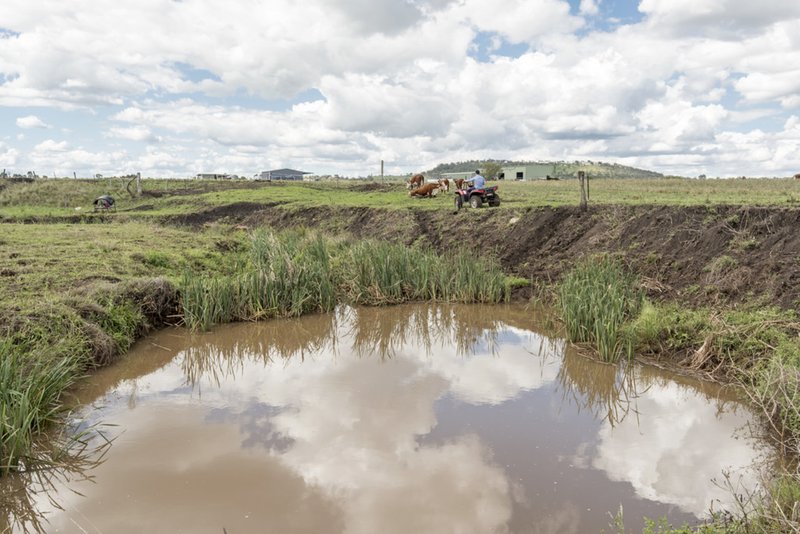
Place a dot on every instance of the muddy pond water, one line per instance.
(406, 419)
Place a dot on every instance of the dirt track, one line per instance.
(699, 255)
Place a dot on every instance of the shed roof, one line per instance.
(286, 172)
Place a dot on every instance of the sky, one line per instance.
(172, 88)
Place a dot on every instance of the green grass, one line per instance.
(287, 276)
(297, 272)
(32, 380)
(58, 198)
(54, 259)
(596, 299)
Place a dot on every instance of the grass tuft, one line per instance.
(596, 298)
(298, 272)
(31, 385)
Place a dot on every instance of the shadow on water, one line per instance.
(374, 334)
(218, 357)
(73, 461)
(606, 390)
(610, 391)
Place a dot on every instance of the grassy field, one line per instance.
(68, 198)
(39, 261)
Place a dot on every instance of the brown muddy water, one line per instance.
(407, 419)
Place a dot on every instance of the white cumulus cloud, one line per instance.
(31, 121)
(337, 85)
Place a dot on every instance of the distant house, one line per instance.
(281, 174)
(212, 176)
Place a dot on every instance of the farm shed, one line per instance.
(281, 174)
(533, 171)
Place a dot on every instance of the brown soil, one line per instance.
(229, 214)
(698, 255)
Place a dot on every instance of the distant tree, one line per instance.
(491, 169)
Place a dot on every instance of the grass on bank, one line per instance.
(43, 262)
(297, 272)
(596, 299)
(31, 385)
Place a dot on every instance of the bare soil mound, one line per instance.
(234, 213)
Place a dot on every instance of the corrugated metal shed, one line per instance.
(533, 171)
(282, 174)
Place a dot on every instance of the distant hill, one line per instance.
(563, 169)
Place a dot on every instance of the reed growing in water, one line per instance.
(31, 385)
(378, 273)
(596, 299)
(286, 275)
(297, 272)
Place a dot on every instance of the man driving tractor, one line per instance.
(476, 194)
(477, 181)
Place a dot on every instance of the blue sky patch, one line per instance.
(5, 33)
(193, 74)
(487, 45)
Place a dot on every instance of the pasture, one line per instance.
(58, 198)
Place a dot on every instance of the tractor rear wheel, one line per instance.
(475, 201)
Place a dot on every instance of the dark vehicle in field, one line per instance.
(104, 203)
(477, 197)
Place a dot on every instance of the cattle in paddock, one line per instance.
(416, 181)
(459, 183)
(797, 176)
(427, 190)
(444, 185)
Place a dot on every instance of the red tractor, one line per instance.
(477, 197)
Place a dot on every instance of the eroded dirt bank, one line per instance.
(699, 255)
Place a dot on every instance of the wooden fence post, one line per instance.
(584, 190)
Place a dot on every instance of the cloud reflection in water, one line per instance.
(336, 408)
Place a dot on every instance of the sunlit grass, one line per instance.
(297, 272)
(31, 385)
(38, 261)
(55, 198)
(596, 299)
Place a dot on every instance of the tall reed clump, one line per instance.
(31, 385)
(379, 273)
(297, 272)
(596, 299)
(286, 275)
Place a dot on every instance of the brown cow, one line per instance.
(459, 183)
(797, 176)
(444, 185)
(427, 190)
(416, 181)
